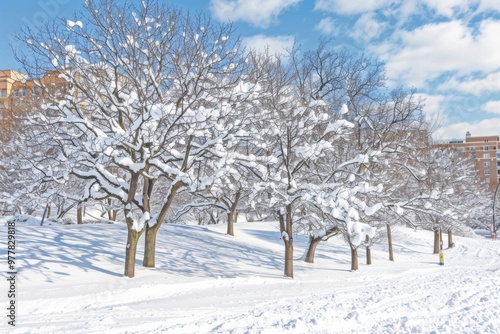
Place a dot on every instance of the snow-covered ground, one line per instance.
(70, 281)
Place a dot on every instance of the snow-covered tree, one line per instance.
(231, 187)
(299, 134)
(148, 92)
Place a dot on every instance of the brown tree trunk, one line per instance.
(450, 239)
(368, 251)
(48, 211)
(130, 252)
(354, 259)
(436, 241)
(289, 259)
(314, 241)
(111, 213)
(44, 214)
(389, 241)
(287, 235)
(79, 215)
(441, 239)
(150, 247)
(132, 235)
(151, 232)
(231, 216)
(311, 250)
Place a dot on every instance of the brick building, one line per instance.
(19, 95)
(9, 79)
(486, 151)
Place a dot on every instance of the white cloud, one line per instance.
(274, 44)
(486, 84)
(449, 8)
(492, 107)
(351, 7)
(260, 13)
(367, 28)
(489, 5)
(433, 105)
(486, 127)
(419, 56)
(328, 26)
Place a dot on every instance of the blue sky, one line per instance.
(449, 50)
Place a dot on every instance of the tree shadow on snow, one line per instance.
(50, 253)
(198, 251)
(54, 251)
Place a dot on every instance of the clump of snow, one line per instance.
(344, 109)
(359, 231)
(71, 24)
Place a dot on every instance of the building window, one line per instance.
(16, 92)
(23, 91)
(498, 155)
(498, 172)
(37, 91)
(486, 148)
(3, 93)
(473, 148)
(487, 164)
(487, 172)
(498, 163)
(486, 155)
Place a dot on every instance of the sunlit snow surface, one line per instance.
(70, 281)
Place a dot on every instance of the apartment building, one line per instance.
(486, 151)
(8, 80)
(18, 95)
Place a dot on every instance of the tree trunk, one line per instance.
(151, 232)
(230, 223)
(132, 235)
(436, 241)
(368, 255)
(150, 247)
(44, 214)
(289, 259)
(231, 216)
(354, 259)
(311, 250)
(79, 215)
(111, 213)
(389, 241)
(314, 241)
(48, 211)
(130, 252)
(287, 235)
(450, 239)
(441, 239)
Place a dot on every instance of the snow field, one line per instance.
(70, 281)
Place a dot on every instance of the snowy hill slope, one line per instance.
(70, 280)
